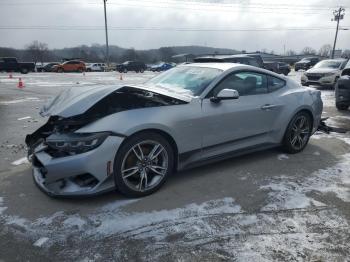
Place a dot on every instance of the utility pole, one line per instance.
(107, 48)
(338, 15)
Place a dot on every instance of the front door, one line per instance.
(238, 123)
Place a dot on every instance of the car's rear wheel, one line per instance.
(341, 106)
(60, 70)
(298, 133)
(143, 164)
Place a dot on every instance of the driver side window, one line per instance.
(246, 83)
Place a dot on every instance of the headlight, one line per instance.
(330, 74)
(76, 143)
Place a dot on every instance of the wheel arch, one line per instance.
(299, 110)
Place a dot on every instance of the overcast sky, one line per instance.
(187, 23)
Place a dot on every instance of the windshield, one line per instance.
(188, 80)
(328, 64)
(347, 64)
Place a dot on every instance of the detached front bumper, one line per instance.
(85, 174)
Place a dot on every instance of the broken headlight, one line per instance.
(76, 143)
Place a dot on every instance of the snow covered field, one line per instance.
(267, 206)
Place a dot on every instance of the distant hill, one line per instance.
(96, 53)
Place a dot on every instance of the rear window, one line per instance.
(275, 83)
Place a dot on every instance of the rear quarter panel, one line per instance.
(292, 99)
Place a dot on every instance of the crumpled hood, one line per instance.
(322, 70)
(78, 99)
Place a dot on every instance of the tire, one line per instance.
(298, 133)
(127, 162)
(125, 70)
(341, 107)
(142, 70)
(24, 71)
(88, 70)
(60, 70)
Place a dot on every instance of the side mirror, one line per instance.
(225, 94)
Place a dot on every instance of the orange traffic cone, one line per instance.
(20, 83)
(10, 75)
(121, 77)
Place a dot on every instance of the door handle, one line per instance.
(268, 106)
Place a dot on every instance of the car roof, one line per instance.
(336, 59)
(221, 66)
(227, 56)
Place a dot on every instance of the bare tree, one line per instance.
(308, 51)
(346, 53)
(325, 50)
(37, 51)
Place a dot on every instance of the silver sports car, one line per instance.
(131, 138)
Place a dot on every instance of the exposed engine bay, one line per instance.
(125, 98)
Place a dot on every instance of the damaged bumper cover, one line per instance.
(83, 174)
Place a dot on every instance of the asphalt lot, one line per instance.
(266, 206)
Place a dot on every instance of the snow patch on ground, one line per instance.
(24, 118)
(40, 241)
(23, 160)
(282, 157)
(74, 221)
(22, 100)
(328, 98)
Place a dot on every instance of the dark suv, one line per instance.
(306, 63)
(131, 66)
(240, 59)
(342, 89)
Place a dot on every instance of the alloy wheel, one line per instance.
(300, 132)
(144, 166)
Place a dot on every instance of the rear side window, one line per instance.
(275, 83)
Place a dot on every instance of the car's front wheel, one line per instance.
(298, 133)
(143, 164)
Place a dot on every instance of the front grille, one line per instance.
(314, 76)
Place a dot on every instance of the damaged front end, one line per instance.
(67, 162)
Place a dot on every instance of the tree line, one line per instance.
(40, 52)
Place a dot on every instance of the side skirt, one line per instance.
(183, 164)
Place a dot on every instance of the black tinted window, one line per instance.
(246, 83)
(275, 83)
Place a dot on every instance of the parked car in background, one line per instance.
(70, 66)
(342, 89)
(96, 67)
(39, 66)
(132, 138)
(10, 64)
(161, 67)
(136, 66)
(239, 59)
(306, 63)
(325, 73)
(277, 67)
(45, 67)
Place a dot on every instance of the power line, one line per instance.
(117, 28)
(191, 5)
